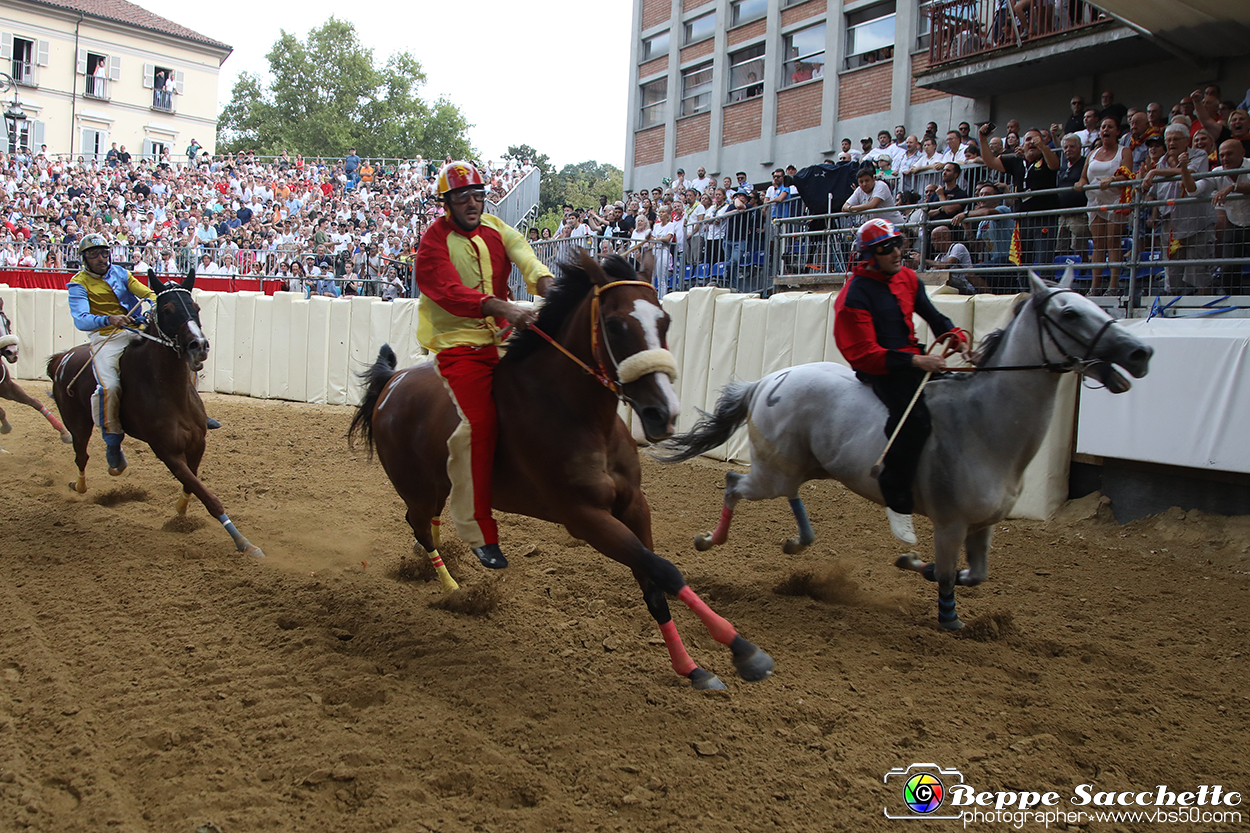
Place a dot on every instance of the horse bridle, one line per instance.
(600, 371)
(1046, 328)
(161, 336)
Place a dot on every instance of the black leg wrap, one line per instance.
(657, 603)
(930, 572)
(663, 573)
(946, 607)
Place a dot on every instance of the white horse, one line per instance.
(818, 421)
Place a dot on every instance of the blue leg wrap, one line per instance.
(946, 607)
(806, 534)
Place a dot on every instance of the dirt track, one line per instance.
(153, 680)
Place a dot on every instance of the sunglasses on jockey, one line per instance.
(464, 196)
(886, 247)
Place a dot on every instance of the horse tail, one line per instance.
(375, 378)
(712, 429)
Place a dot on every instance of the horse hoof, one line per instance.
(703, 541)
(706, 681)
(909, 561)
(755, 666)
(67, 438)
(793, 546)
(5, 428)
(252, 549)
(953, 625)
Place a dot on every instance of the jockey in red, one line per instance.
(873, 329)
(462, 269)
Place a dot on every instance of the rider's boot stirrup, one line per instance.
(901, 526)
(113, 453)
(491, 556)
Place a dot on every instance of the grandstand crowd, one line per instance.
(327, 227)
(1035, 196)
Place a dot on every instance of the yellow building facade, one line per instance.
(90, 73)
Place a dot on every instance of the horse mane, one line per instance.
(568, 291)
(993, 341)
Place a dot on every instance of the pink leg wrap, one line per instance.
(682, 663)
(52, 418)
(717, 626)
(721, 534)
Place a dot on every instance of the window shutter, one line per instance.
(41, 56)
(82, 62)
(6, 46)
(115, 67)
(36, 135)
(149, 70)
(88, 143)
(178, 76)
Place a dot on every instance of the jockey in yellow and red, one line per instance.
(462, 269)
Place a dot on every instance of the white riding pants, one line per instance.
(106, 400)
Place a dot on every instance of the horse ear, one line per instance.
(1068, 275)
(188, 282)
(154, 282)
(1039, 286)
(587, 263)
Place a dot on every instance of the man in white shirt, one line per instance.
(872, 193)
(1232, 201)
(853, 154)
(1089, 136)
(954, 151)
(913, 158)
(883, 144)
(701, 182)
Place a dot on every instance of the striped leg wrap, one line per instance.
(946, 607)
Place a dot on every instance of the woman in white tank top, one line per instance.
(1103, 168)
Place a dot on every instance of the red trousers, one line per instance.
(468, 374)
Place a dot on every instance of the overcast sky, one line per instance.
(548, 74)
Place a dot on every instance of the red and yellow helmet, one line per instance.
(456, 175)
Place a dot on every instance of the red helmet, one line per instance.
(458, 174)
(875, 232)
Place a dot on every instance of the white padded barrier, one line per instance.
(208, 325)
(1045, 485)
(723, 357)
(244, 321)
(280, 346)
(404, 332)
(697, 355)
(812, 318)
(675, 304)
(223, 372)
(296, 353)
(779, 336)
(262, 345)
(317, 367)
(749, 362)
(339, 345)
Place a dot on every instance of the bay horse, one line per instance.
(10, 389)
(160, 404)
(563, 453)
(818, 421)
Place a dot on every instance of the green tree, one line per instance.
(519, 153)
(328, 94)
(580, 186)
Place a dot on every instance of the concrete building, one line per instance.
(93, 72)
(756, 84)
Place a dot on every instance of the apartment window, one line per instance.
(805, 55)
(655, 46)
(165, 83)
(746, 73)
(696, 89)
(743, 11)
(20, 55)
(97, 75)
(153, 148)
(701, 27)
(923, 23)
(94, 144)
(870, 35)
(654, 95)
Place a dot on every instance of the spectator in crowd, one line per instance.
(852, 153)
(1111, 109)
(940, 219)
(1188, 228)
(1076, 121)
(778, 193)
(1073, 226)
(1033, 170)
(954, 151)
(701, 181)
(1232, 202)
(1089, 133)
(1134, 138)
(994, 226)
(871, 193)
(1107, 164)
(913, 161)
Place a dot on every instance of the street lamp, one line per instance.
(14, 116)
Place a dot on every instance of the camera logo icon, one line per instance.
(923, 789)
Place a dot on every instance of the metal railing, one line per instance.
(1139, 242)
(97, 87)
(962, 28)
(519, 201)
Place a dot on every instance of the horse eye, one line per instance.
(1070, 315)
(617, 327)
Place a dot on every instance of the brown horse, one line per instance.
(161, 405)
(563, 454)
(10, 389)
